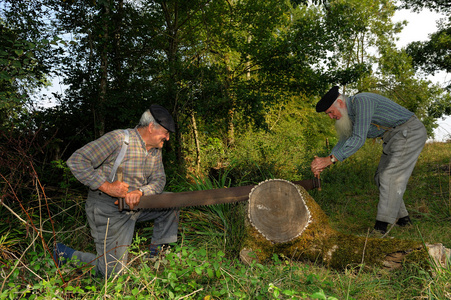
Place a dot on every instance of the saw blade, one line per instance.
(202, 197)
(192, 198)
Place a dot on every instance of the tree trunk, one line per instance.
(171, 14)
(231, 99)
(284, 219)
(196, 140)
(100, 115)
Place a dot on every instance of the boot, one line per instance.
(154, 250)
(381, 226)
(62, 253)
(404, 221)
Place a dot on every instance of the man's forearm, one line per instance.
(82, 169)
(115, 189)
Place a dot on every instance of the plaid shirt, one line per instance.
(366, 110)
(92, 164)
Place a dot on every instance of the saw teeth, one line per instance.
(175, 207)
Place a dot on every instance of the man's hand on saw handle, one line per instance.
(131, 199)
(319, 164)
(119, 189)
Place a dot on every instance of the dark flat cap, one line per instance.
(162, 116)
(327, 100)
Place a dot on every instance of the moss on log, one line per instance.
(313, 239)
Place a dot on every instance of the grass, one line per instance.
(350, 197)
(204, 263)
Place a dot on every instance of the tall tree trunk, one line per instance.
(117, 36)
(231, 100)
(231, 126)
(100, 130)
(196, 139)
(171, 15)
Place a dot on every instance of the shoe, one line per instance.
(381, 226)
(404, 221)
(155, 250)
(62, 253)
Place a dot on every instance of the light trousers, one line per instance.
(113, 231)
(402, 146)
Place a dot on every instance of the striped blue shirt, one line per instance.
(367, 112)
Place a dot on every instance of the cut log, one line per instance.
(278, 220)
(284, 219)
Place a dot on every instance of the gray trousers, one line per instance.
(401, 148)
(113, 231)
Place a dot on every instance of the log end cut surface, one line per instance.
(278, 211)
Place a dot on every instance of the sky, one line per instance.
(419, 26)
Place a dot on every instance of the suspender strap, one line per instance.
(121, 155)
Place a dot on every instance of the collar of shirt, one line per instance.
(152, 151)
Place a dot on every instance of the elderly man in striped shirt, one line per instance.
(368, 115)
(137, 155)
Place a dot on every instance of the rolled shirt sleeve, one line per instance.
(92, 163)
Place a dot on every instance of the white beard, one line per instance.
(344, 125)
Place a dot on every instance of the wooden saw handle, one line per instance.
(120, 177)
(319, 180)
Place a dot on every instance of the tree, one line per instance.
(365, 57)
(432, 55)
(25, 56)
(213, 64)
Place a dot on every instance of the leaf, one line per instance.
(319, 295)
(118, 287)
(198, 270)
(210, 273)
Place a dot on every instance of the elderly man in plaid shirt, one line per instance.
(95, 165)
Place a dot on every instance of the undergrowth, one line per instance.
(205, 264)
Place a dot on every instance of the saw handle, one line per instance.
(319, 182)
(319, 179)
(120, 177)
(121, 204)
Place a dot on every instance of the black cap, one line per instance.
(162, 117)
(327, 100)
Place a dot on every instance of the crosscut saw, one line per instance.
(204, 197)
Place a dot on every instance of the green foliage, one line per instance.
(181, 272)
(435, 5)
(25, 57)
(225, 221)
(284, 150)
(66, 180)
(16, 65)
(201, 274)
(204, 263)
(228, 66)
(432, 55)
